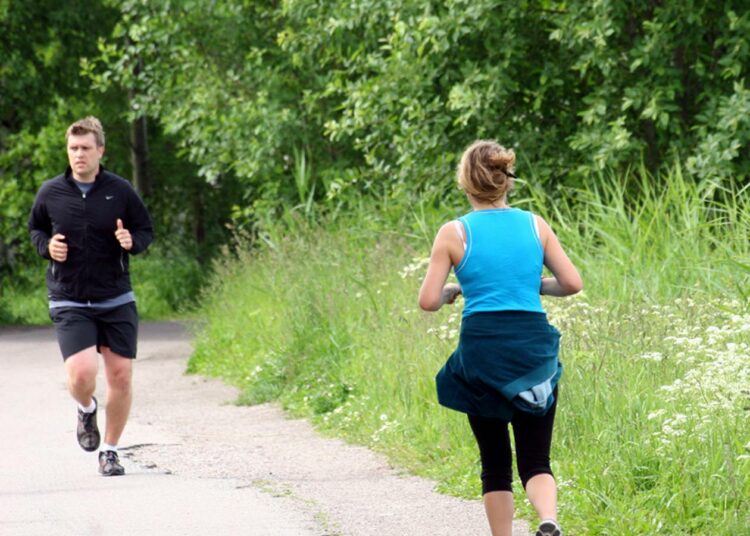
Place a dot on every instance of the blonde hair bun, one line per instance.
(486, 170)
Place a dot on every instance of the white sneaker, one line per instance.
(549, 527)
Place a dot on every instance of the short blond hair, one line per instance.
(486, 170)
(85, 126)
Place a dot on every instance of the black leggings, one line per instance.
(533, 436)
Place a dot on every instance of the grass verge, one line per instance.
(653, 430)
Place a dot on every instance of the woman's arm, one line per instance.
(566, 280)
(434, 292)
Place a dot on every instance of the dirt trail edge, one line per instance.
(195, 461)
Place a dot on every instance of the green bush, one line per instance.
(381, 94)
(166, 285)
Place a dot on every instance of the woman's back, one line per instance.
(502, 266)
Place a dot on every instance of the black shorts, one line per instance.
(79, 328)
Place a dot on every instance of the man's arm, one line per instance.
(138, 222)
(40, 226)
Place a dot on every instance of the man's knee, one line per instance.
(81, 369)
(120, 379)
(119, 373)
(82, 379)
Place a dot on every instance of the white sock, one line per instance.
(90, 408)
(106, 447)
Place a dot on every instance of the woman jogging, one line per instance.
(505, 368)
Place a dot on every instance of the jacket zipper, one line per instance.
(86, 244)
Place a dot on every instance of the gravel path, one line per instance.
(186, 426)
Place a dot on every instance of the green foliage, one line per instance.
(41, 91)
(380, 95)
(215, 79)
(166, 283)
(40, 46)
(324, 319)
(24, 302)
(256, 107)
(320, 127)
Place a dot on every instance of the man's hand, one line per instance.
(123, 236)
(57, 248)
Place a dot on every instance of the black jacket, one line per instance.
(96, 267)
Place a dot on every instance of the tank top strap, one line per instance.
(460, 230)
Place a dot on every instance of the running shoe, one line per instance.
(88, 431)
(549, 527)
(109, 464)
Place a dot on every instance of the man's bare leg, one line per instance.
(81, 369)
(119, 373)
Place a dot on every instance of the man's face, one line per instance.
(84, 155)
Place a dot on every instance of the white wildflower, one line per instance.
(416, 265)
(655, 414)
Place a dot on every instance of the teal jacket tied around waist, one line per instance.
(505, 361)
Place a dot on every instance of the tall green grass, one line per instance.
(636, 236)
(652, 435)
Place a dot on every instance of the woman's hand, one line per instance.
(450, 293)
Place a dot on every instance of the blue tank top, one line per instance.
(502, 265)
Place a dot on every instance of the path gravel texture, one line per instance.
(195, 462)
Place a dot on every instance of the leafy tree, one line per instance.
(215, 78)
(255, 106)
(380, 95)
(40, 93)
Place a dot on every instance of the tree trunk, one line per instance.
(653, 158)
(199, 227)
(139, 145)
(139, 156)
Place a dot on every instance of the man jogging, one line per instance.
(87, 222)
